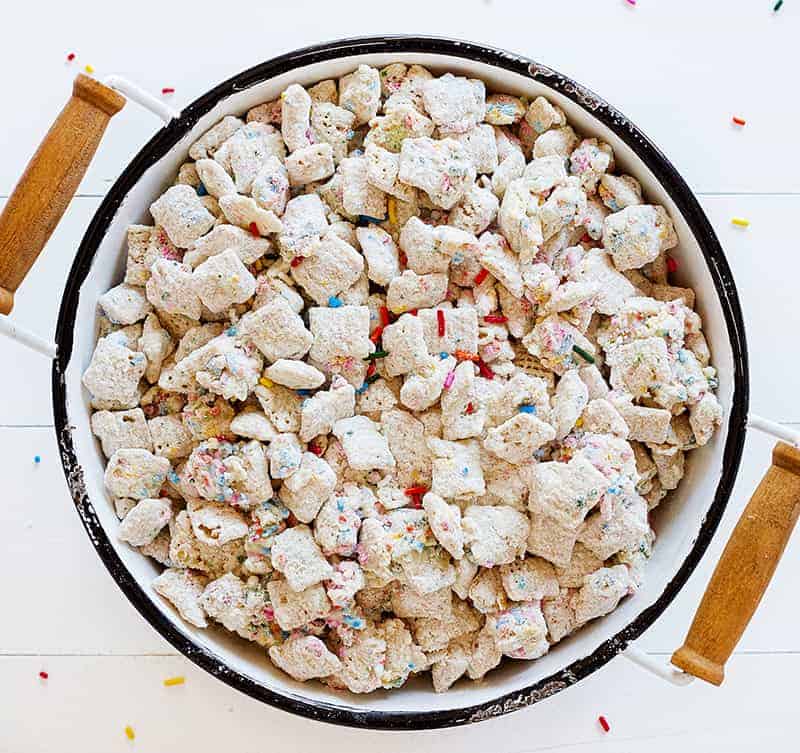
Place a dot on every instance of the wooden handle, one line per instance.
(744, 570)
(50, 181)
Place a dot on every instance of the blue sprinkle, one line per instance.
(362, 389)
(37, 459)
(464, 471)
(527, 409)
(303, 393)
(373, 220)
(201, 190)
(334, 302)
(231, 331)
(443, 355)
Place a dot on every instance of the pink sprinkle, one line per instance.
(168, 90)
(631, 2)
(448, 380)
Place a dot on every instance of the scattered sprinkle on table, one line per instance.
(777, 6)
(739, 121)
(586, 356)
(43, 675)
(170, 681)
(604, 723)
(70, 57)
(168, 90)
(631, 2)
(37, 459)
(88, 68)
(740, 222)
(129, 733)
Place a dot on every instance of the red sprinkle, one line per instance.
(297, 261)
(604, 723)
(254, 230)
(43, 675)
(672, 265)
(441, 322)
(413, 312)
(485, 371)
(414, 491)
(71, 57)
(316, 449)
(495, 319)
(586, 238)
(371, 369)
(470, 409)
(463, 355)
(739, 121)
(168, 90)
(403, 258)
(376, 334)
(481, 276)
(416, 502)
(386, 318)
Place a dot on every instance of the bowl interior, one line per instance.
(677, 522)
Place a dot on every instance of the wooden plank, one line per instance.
(86, 703)
(764, 263)
(63, 576)
(680, 70)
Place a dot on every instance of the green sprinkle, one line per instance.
(777, 6)
(583, 354)
(371, 379)
(377, 354)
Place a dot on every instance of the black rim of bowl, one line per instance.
(667, 176)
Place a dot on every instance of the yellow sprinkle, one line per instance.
(740, 221)
(579, 422)
(392, 210)
(129, 733)
(90, 69)
(283, 95)
(264, 382)
(170, 681)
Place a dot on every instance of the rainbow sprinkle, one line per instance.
(129, 733)
(777, 6)
(172, 681)
(585, 355)
(740, 222)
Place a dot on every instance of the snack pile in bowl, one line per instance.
(395, 377)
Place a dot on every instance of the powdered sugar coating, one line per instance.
(395, 377)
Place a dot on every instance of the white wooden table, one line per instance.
(680, 70)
